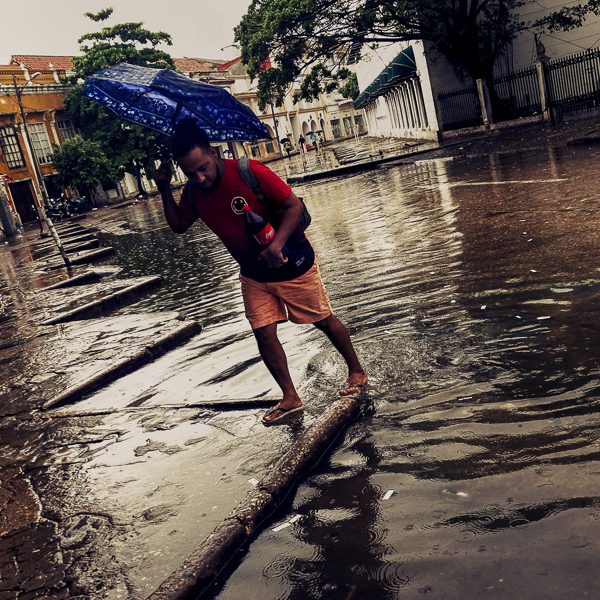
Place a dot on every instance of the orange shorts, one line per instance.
(301, 300)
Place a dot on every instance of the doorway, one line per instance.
(24, 202)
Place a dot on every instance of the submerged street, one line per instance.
(470, 283)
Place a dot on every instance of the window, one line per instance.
(10, 147)
(336, 128)
(40, 141)
(255, 149)
(66, 130)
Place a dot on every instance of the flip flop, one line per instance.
(284, 413)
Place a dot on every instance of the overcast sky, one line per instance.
(199, 28)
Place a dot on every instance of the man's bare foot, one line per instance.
(284, 408)
(354, 383)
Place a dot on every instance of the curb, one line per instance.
(80, 246)
(125, 365)
(85, 258)
(201, 568)
(362, 166)
(87, 277)
(112, 301)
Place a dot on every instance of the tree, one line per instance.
(82, 164)
(130, 148)
(350, 88)
(317, 37)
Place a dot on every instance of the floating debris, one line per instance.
(287, 523)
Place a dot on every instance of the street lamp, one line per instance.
(36, 169)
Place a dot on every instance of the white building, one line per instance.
(400, 83)
(332, 115)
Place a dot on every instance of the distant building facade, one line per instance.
(331, 115)
(38, 82)
(35, 91)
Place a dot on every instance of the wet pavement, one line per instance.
(469, 281)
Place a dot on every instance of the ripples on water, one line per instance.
(471, 290)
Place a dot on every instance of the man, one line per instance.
(302, 143)
(274, 287)
(288, 147)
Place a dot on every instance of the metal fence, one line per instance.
(518, 94)
(573, 86)
(460, 108)
(574, 83)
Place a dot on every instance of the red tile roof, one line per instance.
(230, 63)
(37, 63)
(64, 63)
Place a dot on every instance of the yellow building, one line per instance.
(31, 89)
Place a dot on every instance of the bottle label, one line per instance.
(265, 235)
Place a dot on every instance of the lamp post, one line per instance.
(39, 180)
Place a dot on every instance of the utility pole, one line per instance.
(39, 180)
(276, 130)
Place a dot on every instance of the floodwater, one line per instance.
(471, 288)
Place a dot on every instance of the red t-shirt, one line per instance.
(215, 209)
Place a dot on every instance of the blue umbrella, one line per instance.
(159, 98)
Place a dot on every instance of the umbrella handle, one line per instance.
(162, 185)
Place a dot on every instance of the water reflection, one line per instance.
(471, 288)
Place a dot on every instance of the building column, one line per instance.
(53, 127)
(413, 101)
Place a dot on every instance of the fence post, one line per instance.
(484, 101)
(540, 66)
(542, 73)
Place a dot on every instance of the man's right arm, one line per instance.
(162, 176)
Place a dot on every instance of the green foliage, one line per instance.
(82, 164)
(314, 39)
(130, 148)
(350, 88)
(568, 17)
(101, 15)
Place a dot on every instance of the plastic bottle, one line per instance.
(262, 231)
(259, 227)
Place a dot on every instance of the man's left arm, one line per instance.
(290, 216)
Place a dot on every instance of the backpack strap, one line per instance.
(250, 179)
